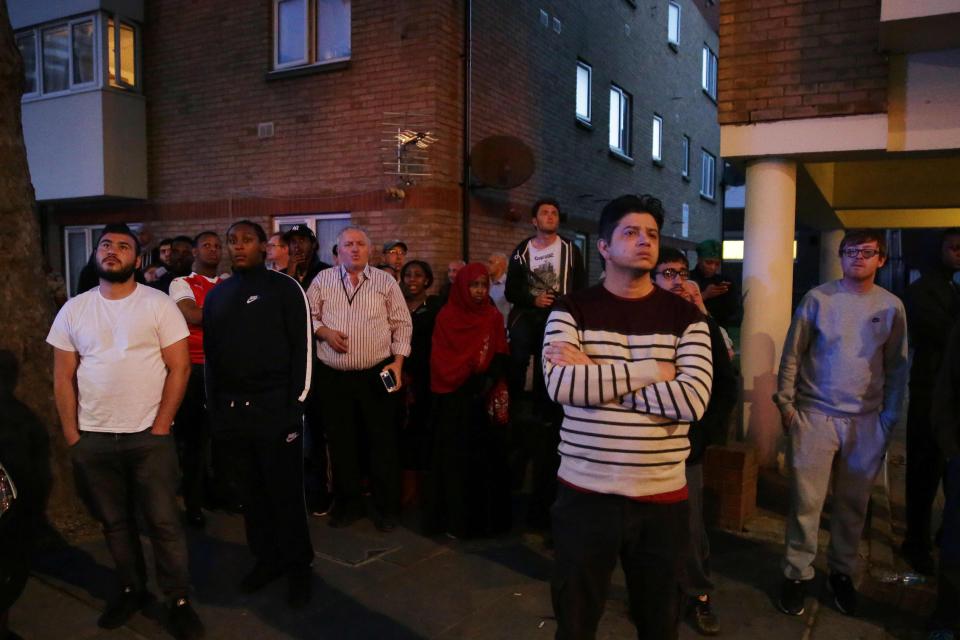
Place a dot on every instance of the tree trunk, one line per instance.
(26, 303)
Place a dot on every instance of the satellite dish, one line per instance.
(501, 162)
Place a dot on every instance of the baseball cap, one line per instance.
(709, 249)
(387, 246)
(301, 230)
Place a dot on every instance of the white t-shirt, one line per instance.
(121, 373)
(545, 265)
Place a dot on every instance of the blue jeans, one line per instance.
(120, 474)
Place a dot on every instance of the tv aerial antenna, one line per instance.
(405, 142)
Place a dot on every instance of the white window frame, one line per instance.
(656, 150)
(708, 72)
(37, 69)
(586, 67)
(310, 35)
(310, 220)
(708, 174)
(305, 60)
(91, 234)
(118, 22)
(624, 100)
(71, 86)
(673, 38)
(685, 156)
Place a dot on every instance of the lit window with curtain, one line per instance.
(673, 23)
(619, 120)
(656, 152)
(584, 75)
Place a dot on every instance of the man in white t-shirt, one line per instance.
(121, 366)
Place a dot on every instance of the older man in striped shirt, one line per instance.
(363, 328)
(631, 365)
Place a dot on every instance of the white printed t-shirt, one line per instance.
(545, 266)
(121, 373)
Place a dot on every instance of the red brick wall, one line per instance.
(783, 59)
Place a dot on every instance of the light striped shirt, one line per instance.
(625, 429)
(373, 314)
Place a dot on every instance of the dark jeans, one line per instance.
(924, 472)
(120, 474)
(947, 612)
(591, 531)
(192, 431)
(535, 440)
(696, 579)
(358, 414)
(268, 469)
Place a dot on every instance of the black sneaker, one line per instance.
(702, 617)
(299, 587)
(844, 595)
(123, 608)
(260, 576)
(792, 595)
(183, 621)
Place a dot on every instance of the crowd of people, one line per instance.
(287, 388)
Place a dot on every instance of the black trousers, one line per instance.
(359, 417)
(268, 469)
(191, 428)
(319, 481)
(535, 440)
(924, 471)
(591, 531)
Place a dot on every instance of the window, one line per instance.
(708, 171)
(619, 120)
(584, 76)
(123, 51)
(69, 56)
(673, 23)
(27, 43)
(685, 156)
(324, 226)
(708, 75)
(657, 151)
(685, 220)
(310, 32)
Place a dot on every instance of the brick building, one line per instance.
(839, 113)
(189, 115)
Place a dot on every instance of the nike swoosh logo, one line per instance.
(292, 436)
(252, 299)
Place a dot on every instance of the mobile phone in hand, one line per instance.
(389, 380)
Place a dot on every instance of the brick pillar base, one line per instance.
(730, 485)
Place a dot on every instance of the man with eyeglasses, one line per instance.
(672, 273)
(394, 255)
(841, 387)
(278, 252)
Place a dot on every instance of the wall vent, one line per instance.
(265, 130)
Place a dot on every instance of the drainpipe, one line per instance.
(465, 134)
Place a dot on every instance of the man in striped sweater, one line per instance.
(631, 365)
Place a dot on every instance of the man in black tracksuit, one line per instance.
(257, 340)
(933, 305)
(542, 268)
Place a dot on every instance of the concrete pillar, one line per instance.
(768, 233)
(829, 255)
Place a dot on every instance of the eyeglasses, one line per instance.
(671, 274)
(853, 252)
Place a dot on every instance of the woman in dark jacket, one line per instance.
(469, 484)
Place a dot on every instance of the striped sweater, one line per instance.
(624, 429)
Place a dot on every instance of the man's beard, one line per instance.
(116, 276)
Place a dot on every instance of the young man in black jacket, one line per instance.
(672, 273)
(542, 268)
(257, 338)
(933, 305)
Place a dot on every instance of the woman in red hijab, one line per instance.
(469, 487)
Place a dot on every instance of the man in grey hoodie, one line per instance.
(841, 386)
